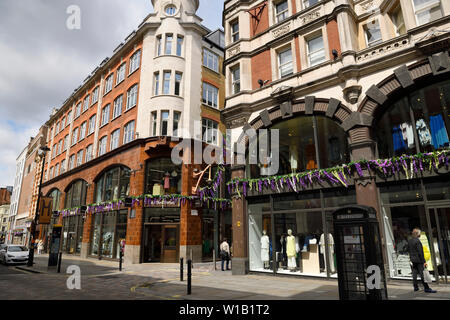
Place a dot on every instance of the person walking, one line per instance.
(225, 253)
(418, 260)
(40, 246)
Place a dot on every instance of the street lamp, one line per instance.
(44, 150)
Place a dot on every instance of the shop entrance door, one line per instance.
(161, 243)
(152, 243)
(440, 227)
(170, 244)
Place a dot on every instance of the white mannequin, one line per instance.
(265, 244)
(290, 251)
(330, 250)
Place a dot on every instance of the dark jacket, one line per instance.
(416, 251)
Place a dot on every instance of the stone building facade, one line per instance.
(343, 81)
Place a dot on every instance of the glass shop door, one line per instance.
(440, 242)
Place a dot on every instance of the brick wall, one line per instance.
(261, 68)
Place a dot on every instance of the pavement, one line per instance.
(102, 280)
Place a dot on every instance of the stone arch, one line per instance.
(403, 80)
(309, 106)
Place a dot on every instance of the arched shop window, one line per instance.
(163, 177)
(306, 143)
(55, 194)
(113, 185)
(76, 194)
(418, 122)
(73, 225)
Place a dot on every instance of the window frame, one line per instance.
(235, 82)
(166, 42)
(108, 84)
(105, 115)
(117, 112)
(309, 54)
(423, 8)
(127, 132)
(132, 92)
(121, 72)
(280, 65)
(285, 13)
(208, 55)
(214, 95)
(374, 42)
(114, 141)
(100, 141)
(133, 64)
(234, 34)
(166, 81)
(164, 122)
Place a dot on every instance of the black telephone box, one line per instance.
(358, 254)
(54, 246)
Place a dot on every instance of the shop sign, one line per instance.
(165, 203)
(45, 210)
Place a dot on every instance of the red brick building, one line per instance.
(112, 140)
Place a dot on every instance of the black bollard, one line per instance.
(181, 269)
(189, 275)
(59, 262)
(120, 259)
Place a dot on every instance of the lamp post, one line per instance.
(44, 150)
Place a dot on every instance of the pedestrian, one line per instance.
(225, 253)
(40, 246)
(418, 262)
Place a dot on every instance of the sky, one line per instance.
(42, 61)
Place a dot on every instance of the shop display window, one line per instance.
(109, 230)
(163, 177)
(421, 115)
(113, 185)
(297, 237)
(300, 141)
(260, 237)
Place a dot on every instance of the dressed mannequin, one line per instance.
(293, 157)
(290, 251)
(265, 244)
(330, 250)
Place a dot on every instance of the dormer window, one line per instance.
(170, 10)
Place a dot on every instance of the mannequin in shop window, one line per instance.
(310, 154)
(322, 247)
(293, 157)
(290, 251)
(265, 246)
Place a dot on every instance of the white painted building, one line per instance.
(20, 166)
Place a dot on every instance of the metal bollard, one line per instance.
(181, 269)
(120, 260)
(189, 275)
(59, 262)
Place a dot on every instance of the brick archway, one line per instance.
(399, 83)
(310, 105)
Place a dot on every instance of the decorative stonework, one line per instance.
(368, 5)
(236, 123)
(309, 17)
(383, 50)
(281, 31)
(352, 93)
(234, 51)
